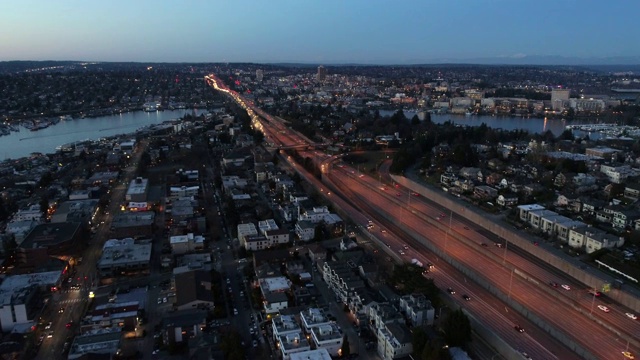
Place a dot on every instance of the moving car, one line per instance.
(554, 284)
(519, 328)
(603, 308)
(595, 293)
(566, 287)
(451, 291)
(631, 316)
(466, 297)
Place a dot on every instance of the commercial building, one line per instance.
(193, 290)
(46, 240)
(21, 297)
(182, 244)
(322, 73)
(177, 192)
(122, 257)
(96, 342)
(20, 229)
(130, 224)
(31, 213)
(121, 315)
(138, 190)
(75, 211)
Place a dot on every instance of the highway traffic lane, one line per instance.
(530, 266)
(385, 202)
(489, 316)
(533, 269)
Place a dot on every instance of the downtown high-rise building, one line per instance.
(259, 75)
(322, 73)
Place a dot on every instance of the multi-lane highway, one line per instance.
(418, 221)
(461, 241)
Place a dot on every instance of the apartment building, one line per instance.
(327, 337)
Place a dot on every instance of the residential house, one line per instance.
(394, 341)
(417, 309)
(273, 291)
(313, 317)
(291, 343)
(632, 191)
(622, 218)
(507, 200)
(582, 179)
(327, 337)
(305, 230)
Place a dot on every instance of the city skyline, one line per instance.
(328, 32)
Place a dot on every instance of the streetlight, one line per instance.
(506, 245)
(448, 230)
(511, 282)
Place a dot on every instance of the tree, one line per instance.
(457, 329)
(45, 180)
(9, 245)
(419, 339)
(345, 350)
(44, 205)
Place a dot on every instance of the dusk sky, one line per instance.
(327, 31)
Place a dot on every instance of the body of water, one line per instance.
(24, 142)
(532, 125)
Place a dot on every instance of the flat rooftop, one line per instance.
(14, 283)
(124, 254)
(317, 354)
(129, 219)
(326, 332)
(138, 186)
(49, 235)
(272, 284)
